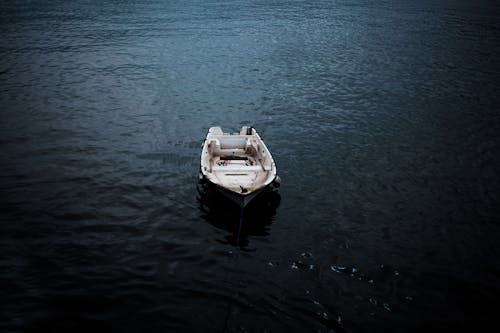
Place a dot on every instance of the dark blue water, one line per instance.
(383, 119)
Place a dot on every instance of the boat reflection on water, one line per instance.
(253, 220)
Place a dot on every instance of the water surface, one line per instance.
(383, 121)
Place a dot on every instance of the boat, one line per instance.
(238, 164)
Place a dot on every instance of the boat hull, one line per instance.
(239, 199)
(238, 165)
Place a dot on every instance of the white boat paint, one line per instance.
(239, 164)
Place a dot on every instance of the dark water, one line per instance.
(382, 116)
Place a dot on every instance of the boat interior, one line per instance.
(239, 160)
(241, 152)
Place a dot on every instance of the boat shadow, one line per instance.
(254, 220)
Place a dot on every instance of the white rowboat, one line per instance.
(239, 164)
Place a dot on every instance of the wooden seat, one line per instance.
(237, 168)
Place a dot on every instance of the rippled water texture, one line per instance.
(382, 117)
